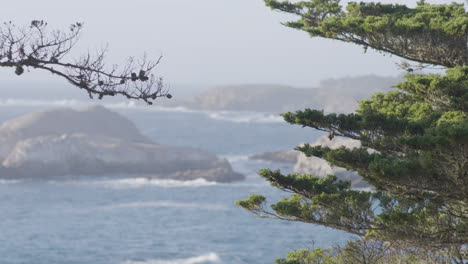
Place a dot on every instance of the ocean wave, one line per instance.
(138, 182)
(165, 183)
(205, 258)
(8, 181)
(168, 204)
(132, 105)
(228, 116)
(130, 183)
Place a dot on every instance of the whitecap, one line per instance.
(165, 183)
(138, 182)
(132, 105)
(2, 181)
(205, 258)
(229, 116)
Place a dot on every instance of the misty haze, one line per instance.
(165, 132)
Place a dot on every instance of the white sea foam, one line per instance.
(130, 183)
(229, 116)
(165, 183)
(8, 181)
(205, 258)
(138, 182)
(167, 204)
(147, 108)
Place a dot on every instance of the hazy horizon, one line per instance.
(204, 44)
(115, 167)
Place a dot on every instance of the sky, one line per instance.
(204, 42)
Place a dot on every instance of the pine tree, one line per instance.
(414, 140)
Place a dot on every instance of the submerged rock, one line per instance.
(96, 141)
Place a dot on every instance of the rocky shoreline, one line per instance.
(95, 142)
(316, 166)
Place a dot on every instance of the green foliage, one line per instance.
(434, 34)
(414, 141)
(253, 202)
(366, 251)
(443, 93)
(306, 256)
(398, 104)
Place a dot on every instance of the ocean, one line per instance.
(133, 220)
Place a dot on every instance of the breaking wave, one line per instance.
(139, 182)
(165, 183)
(8, 181)
(205, 258)
(133, 105)
(228, 116)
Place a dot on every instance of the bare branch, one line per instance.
(36, 47)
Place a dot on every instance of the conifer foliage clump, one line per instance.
(414, 141)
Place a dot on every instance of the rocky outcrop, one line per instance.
(342, 95)
(332, 95)
(257, 98)
(96, 141)
(278, 156)
(317, 166)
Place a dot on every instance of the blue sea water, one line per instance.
(134, 220)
